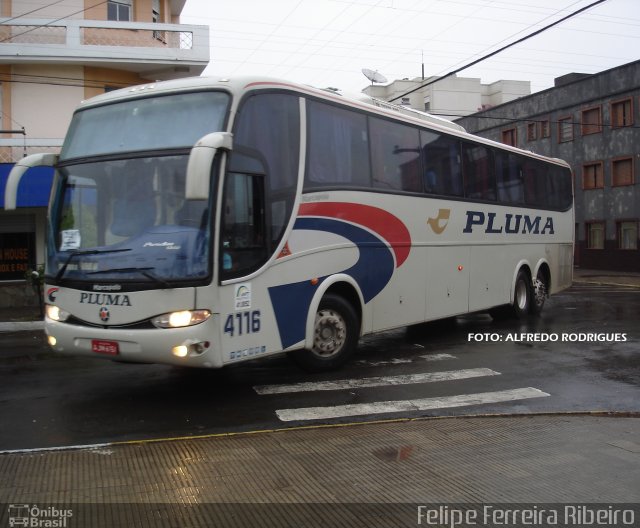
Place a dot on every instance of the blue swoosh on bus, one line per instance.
(384, 243)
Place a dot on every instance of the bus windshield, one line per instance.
(119, 212)
(151, 123)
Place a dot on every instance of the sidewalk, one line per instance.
(610, 278)
(352, 475)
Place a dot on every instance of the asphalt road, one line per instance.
(582, 354)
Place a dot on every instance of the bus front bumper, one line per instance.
(191, 346)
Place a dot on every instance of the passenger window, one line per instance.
(509, 178)
(478, 170)
(395, 156)
(338, 153)
(535, 180)
(441, 162)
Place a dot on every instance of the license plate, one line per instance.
(105, 347)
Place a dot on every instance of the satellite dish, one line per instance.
(374, 76)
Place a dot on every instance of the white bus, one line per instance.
(204, 222)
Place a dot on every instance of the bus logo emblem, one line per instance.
(435, 223)
(104, 314)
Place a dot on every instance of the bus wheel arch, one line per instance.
(334, 326)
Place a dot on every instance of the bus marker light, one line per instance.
(315, 281)
(52, 341)
(460, 268)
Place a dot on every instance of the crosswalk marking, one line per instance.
(462, 400)
(438, 357)
(379, 381)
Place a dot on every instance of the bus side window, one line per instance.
(395, 156)
(243, 223)
(478, 170)
(261, 182)
(441, 162)
(338, 152)
(510, 183)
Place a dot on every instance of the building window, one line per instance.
(627, 233)
(532, 131)
(595, 235)
(565, 129)
(593, 175)
(622, 172)
(592, 121)
(119, 10)
(510, 137)
(622, 113)
(545, 129)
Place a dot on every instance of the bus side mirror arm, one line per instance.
(200, 161)
(17, 172)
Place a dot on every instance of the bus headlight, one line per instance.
(56, 314)
(181, 319)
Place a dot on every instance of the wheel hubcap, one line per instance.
(330, 333)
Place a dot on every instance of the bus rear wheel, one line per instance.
(540, 292)
(522, 296)
(335, 336)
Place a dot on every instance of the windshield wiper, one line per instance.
(73, 254)
(143, 271)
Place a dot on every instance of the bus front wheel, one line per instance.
(335, 336)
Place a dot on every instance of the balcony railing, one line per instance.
(103, 41)
(14, 149)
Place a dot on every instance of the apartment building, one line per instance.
(593, 122)
(449, 97)
(53, 55)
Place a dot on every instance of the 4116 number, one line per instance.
(242, 323)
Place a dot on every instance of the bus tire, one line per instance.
(335, 336)
(522, 296)
(540, 292)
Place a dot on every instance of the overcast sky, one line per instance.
(328, 42)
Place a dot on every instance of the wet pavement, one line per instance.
(378, 474)
(577, 444)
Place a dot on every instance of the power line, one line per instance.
(489, 55)
(32, 11)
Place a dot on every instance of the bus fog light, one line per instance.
(180, 351)
(190, 348)
(56, 314)
(181, 319)
(52, 341)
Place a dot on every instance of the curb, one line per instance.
(21, 326)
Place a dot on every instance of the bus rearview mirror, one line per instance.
(200, 162)
(18, 171)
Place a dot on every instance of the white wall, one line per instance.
(45, 109)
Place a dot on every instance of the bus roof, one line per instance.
(243, 84)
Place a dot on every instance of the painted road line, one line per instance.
(392, 361)
(438, 357)
(380, 381)
(426, 404)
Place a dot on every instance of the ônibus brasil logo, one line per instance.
(37, 517)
